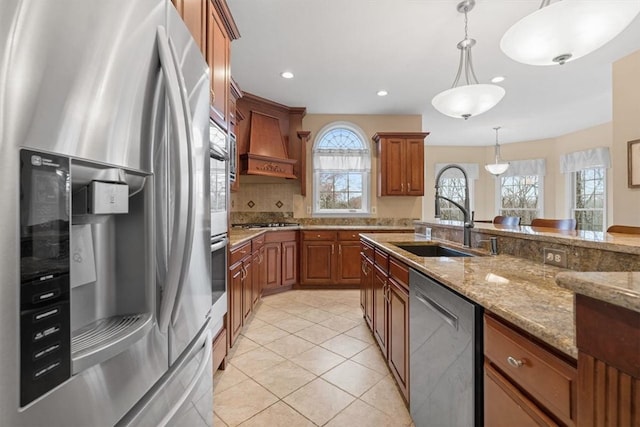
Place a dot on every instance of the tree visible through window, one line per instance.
(589, 198)
(342, 164)
(520, 196)
(452, 188)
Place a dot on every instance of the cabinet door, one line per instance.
(380, 309)
(414, 167)
(247, 288)
(505, 406)
(317, 262)
(273, 260)
(289, 263)
(348, 263)
(258, 275)
(235, 301)
(363, 279)
(194, 15)
(399, 335)
(368, 308)
(218, 60)
(393, 172)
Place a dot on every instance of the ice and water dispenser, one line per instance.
(87, 266)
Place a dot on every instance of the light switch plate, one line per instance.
(555, 257)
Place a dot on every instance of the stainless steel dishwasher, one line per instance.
(445, 344)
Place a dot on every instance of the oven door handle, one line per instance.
(219, 244)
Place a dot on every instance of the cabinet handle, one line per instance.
(318, 235)
(243, 274)
(339, 249)
(516, 363)
(332, 249)
(363, 267)
(402, 186)
(408, 186)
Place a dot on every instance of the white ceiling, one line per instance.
(343, 51)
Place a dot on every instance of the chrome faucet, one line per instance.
(468, 216)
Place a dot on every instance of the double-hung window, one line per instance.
(341, 171)
(587, 174)
(520, 190)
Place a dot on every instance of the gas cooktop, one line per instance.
(266, 225)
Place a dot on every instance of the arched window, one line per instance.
(341, 170)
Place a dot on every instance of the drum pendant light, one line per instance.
(567, 30)
(471, 98)
(497, 168)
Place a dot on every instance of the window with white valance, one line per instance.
(452, 187)
(588, 186)
(341, 170)
(521, 188)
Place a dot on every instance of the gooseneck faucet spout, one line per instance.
(468, 215)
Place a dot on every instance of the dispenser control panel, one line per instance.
(45, 342)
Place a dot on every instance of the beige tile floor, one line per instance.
(307, 358)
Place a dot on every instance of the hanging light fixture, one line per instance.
(566, 30)
(472, 98)
(497, 168)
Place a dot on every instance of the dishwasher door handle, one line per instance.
(445, 314)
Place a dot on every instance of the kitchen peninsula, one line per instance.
(546, 360)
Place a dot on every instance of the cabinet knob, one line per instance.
(318, 235)
(516, 363)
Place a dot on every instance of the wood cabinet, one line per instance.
(400, 163)
(194, 15)
(366, 283)
(608, 341)
(280, 255)
(330, 257)
(398, 318)
(235, 301)
(524, 374)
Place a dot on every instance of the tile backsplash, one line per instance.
(265, 197)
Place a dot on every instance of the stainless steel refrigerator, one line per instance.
(105, 290)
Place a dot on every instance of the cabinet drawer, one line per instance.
(319, 235)
(382, 260)
(547, 378)
(399, 272)
(280, 236)
(348, 235)
(240, 252)
(257, 243)
(367, 250)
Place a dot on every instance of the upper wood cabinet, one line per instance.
(400, 163)
(194, 15)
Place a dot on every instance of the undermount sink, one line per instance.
(432, 251)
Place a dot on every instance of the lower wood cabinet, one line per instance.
(366, 288)
(542, 384)
(330, 257)
(281, 258)
(234, 292)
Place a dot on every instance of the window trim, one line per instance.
(365, 211)
(498, 192)
(571, 181)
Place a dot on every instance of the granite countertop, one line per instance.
(520, 291)
(621, 289)
(238, 236)
(628, 243)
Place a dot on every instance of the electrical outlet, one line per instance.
(374, 210)
(555, 257)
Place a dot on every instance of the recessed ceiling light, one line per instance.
(498, 79)
(382, 93)
(287, 75)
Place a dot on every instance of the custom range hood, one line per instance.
(267, 154)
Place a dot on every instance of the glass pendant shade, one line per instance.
(497, 168)
(472, 98)
(469, 100)
(567, 30)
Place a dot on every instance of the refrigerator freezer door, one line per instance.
(78, 79)
(193, 300)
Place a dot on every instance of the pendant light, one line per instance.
(567, 30)
(497, 168)
(471, 98)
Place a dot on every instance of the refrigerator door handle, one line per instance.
(179, 238)
(186, 260)
(206, 358)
